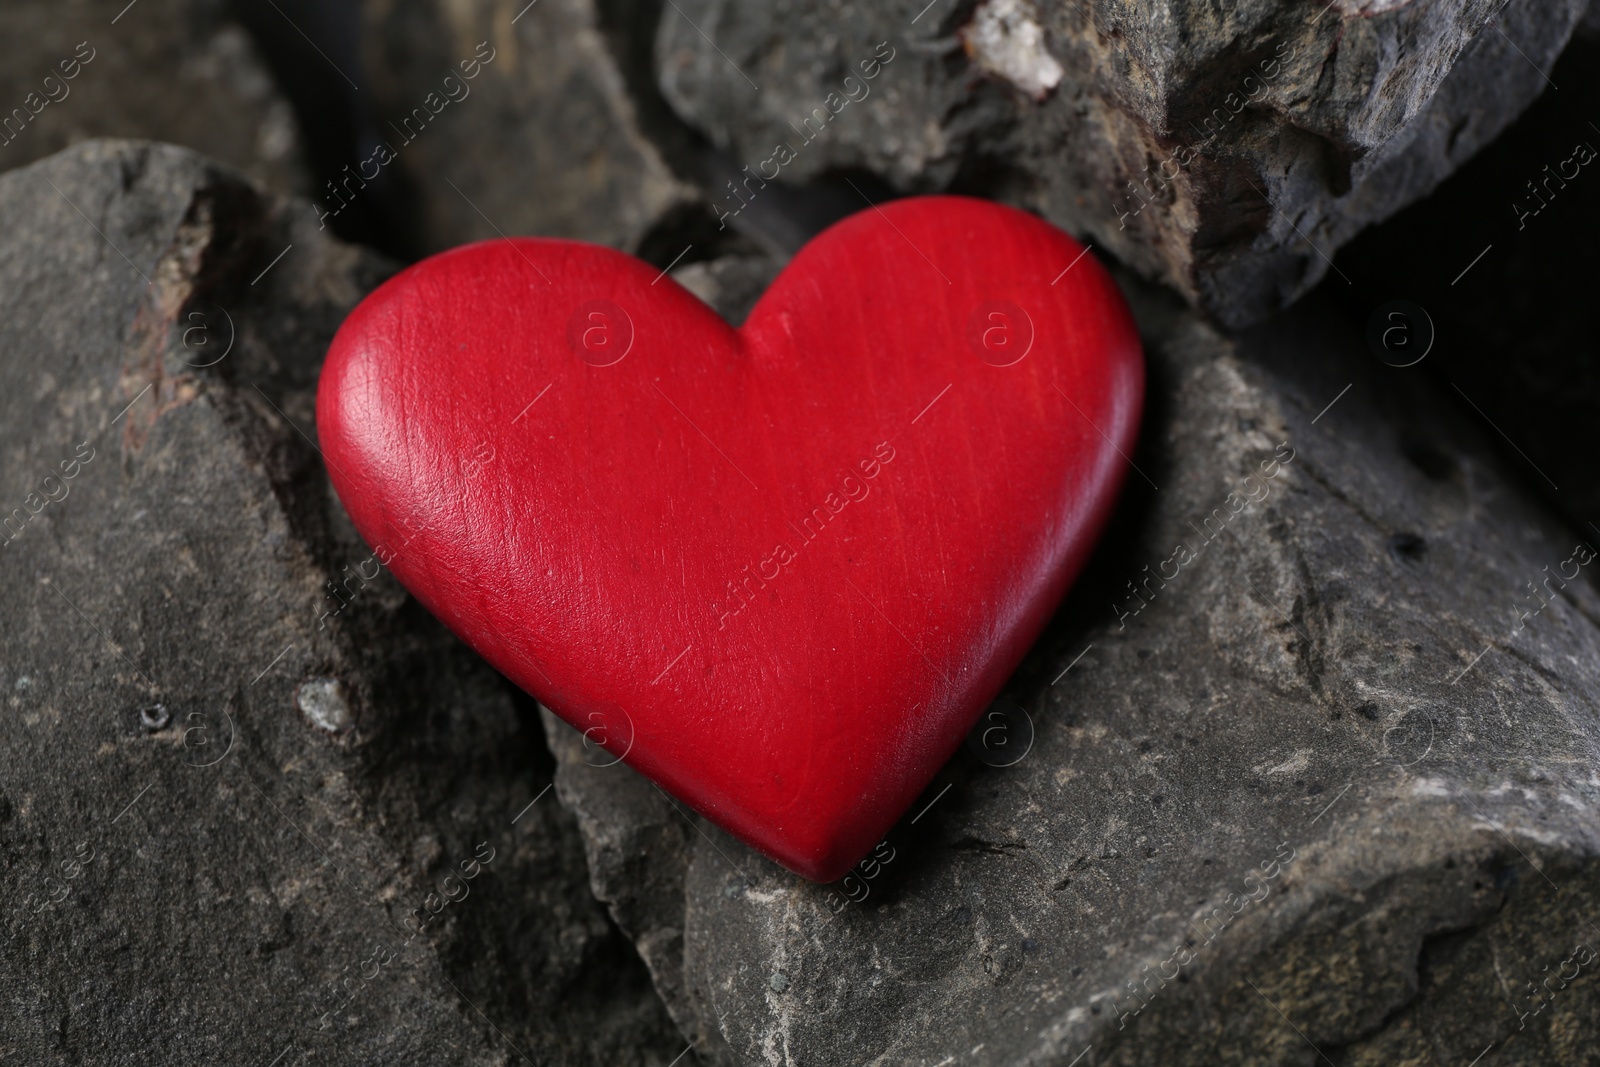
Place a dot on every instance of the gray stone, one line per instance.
(638, 851)
(1590, 25)
(1262, 136)
(543, 140)
(194, 866)
(1506, 270)
(1326, 787)
(166, 70)
(730, 284)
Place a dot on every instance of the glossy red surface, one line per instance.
(782, 568)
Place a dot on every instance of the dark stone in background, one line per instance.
(543, 140)
(1517, 332)
(166, 70)
(314, 49)
(731, 284)
(1371, 106)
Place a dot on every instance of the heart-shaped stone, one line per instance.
(781, 569)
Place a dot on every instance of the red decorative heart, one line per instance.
(782, 569)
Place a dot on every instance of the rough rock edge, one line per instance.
(1329, 163)
(222, 234)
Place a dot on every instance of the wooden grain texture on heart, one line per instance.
(781, 568)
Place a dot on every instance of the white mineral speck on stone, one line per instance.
(325, 702)
(1005, 38)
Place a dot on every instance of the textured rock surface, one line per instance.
(1261, 137)
(1508, 281)
(222, 795)
(168, 70)
(1330, 791)
(543, 140)
(224, 786)
(638, 849)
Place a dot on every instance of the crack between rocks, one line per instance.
(971, 843)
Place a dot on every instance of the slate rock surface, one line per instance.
(542, 138)
(1227, 152)
(1501, 260)
(255, 805)
(1305, 767)
(167, 70)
